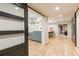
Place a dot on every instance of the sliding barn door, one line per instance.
(12, 38)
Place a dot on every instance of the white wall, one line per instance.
(69, 29)
(77, 29)
(38, 24)
(30, 26)
(44, 30)
(8, 24)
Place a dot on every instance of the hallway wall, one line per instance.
(77, 29)
(69, 30)
(44, 30)
(56, 29)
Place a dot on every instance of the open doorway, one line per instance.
(63, 29)
(34, 31)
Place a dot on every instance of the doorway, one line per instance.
(63, 29)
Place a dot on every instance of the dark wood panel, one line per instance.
(21, 5)
(26, 28)
(4, 14)
(17, 50)
(75, 32)
(11, 32)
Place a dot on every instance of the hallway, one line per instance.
(59, 20)
(61, 46)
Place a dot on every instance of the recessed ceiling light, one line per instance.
(39, 18)
(57, 8)
(16, 8)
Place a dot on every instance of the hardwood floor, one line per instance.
(60, 46)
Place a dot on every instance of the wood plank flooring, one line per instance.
(60, 46)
